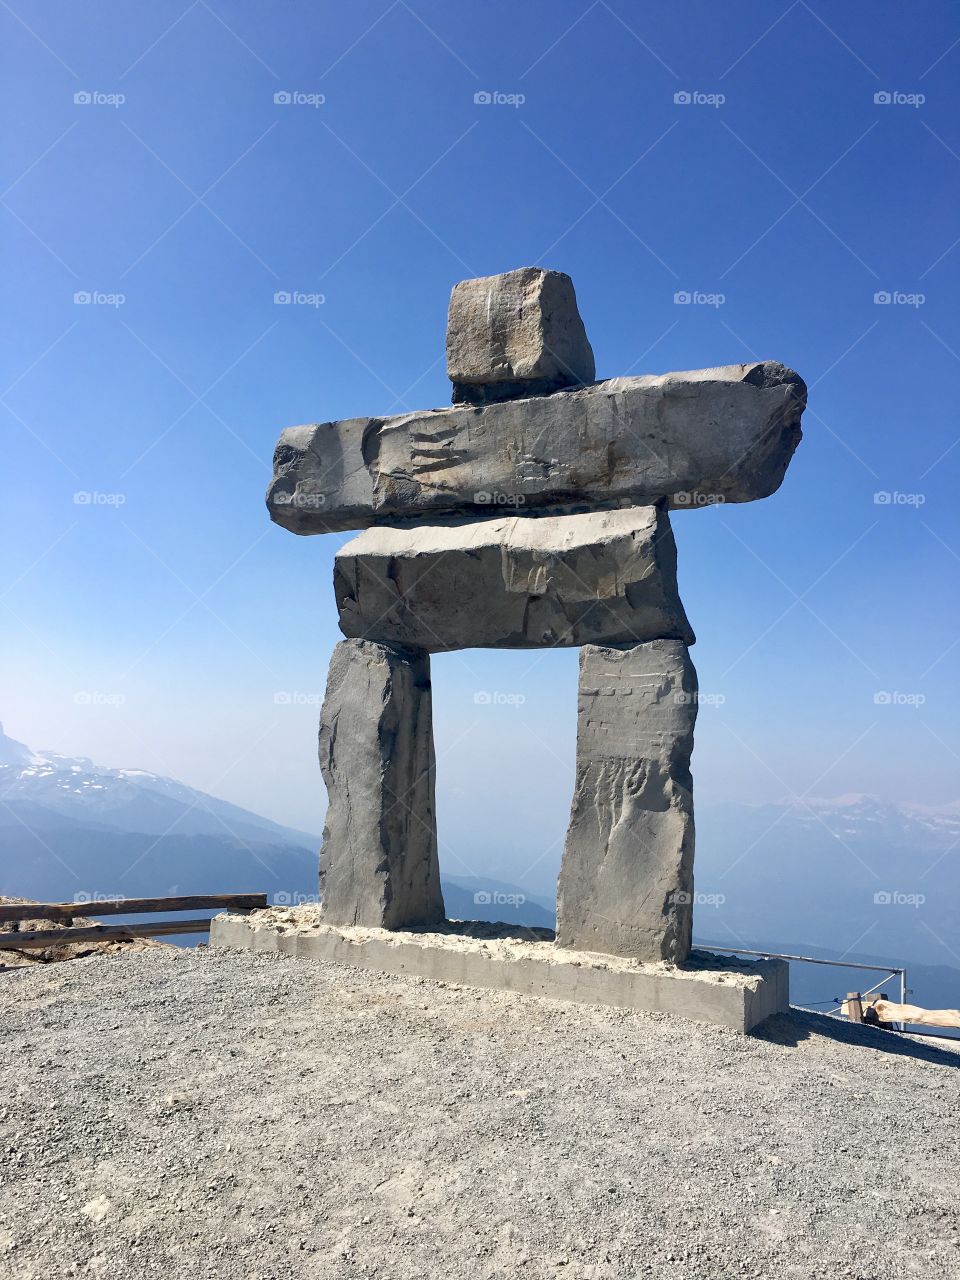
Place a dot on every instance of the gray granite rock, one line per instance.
(514, 582)
(626, 879)
(515, 334)
(712, 435)
(378, 863)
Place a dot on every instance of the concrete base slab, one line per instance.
(708, 988)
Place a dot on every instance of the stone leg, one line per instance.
(626, 880)
(378, 864)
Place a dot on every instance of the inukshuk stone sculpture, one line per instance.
(588, 471)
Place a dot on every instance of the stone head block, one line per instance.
(516, 334)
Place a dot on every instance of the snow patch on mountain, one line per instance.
(76, 790)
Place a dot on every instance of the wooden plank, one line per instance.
(854, 1007)
(31, 938)
(887, 1011)
(129, 906)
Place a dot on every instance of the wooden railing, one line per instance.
(881, 1012)
(12, 912)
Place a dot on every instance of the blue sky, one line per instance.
(166, 624)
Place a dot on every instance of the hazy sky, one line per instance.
(810, 166)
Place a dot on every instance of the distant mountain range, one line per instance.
(71, 828)
(52, 788)
(854, 877)
(854, 873)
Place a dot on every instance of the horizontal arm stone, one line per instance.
(604, 577)
(711, 435)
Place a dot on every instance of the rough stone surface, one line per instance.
(712, 435)
(709, 988)
(515, 334)
(626, 879)
(378, 863)
(517, 582)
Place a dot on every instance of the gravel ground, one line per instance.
(195, 1113)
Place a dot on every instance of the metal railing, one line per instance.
(890, 970)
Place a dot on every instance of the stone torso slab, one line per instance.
(518, 582)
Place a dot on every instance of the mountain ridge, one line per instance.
(852, 874)
(125, 799)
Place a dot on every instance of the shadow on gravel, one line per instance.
(791, 1028)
